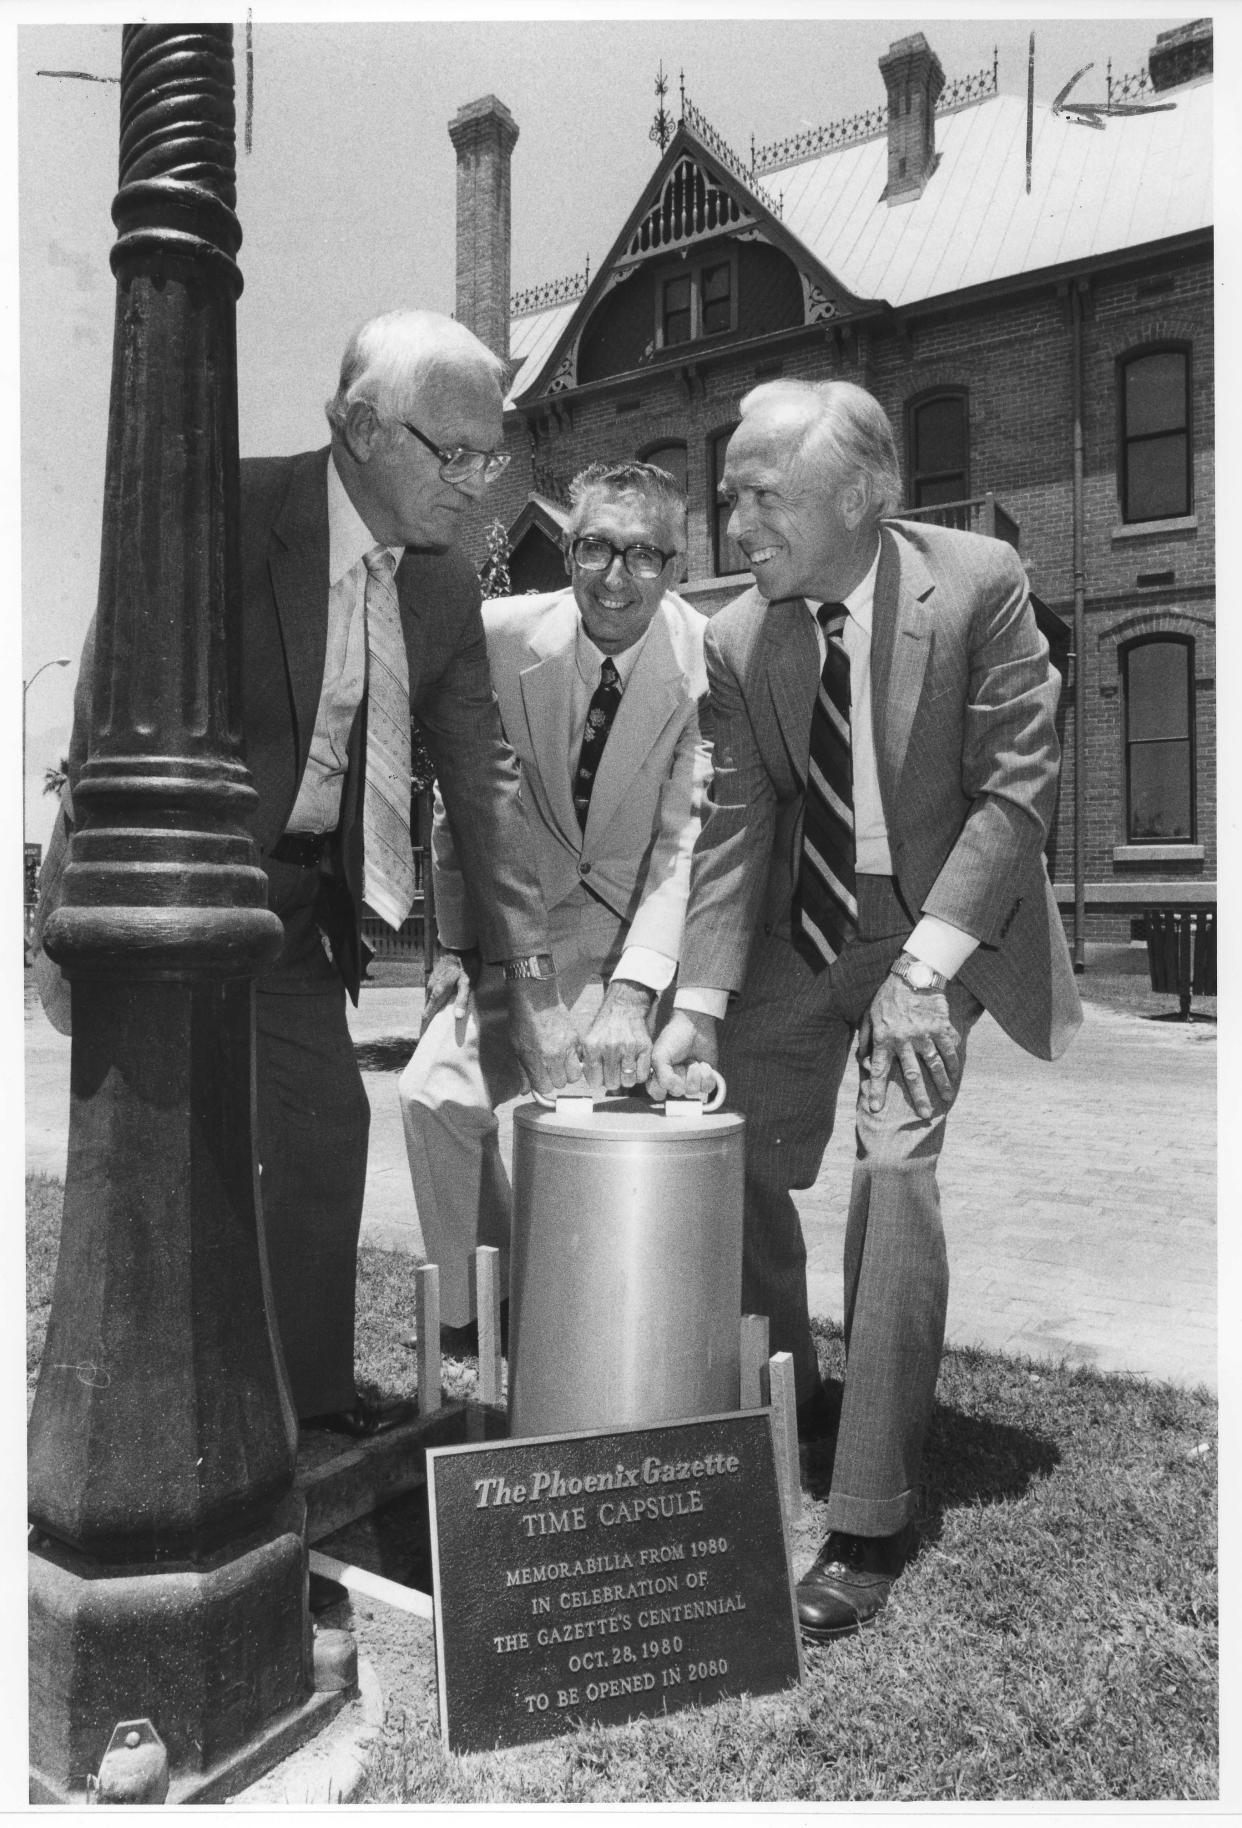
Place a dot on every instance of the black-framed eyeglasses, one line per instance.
(461, 463)
(590, 553)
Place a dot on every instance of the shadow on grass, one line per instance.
(968, 1460)
(389, 1055)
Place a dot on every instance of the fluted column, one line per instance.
(167, 1573)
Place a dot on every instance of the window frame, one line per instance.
(1131, 359)
(693, 270)
(1187, 646)
(914, 406)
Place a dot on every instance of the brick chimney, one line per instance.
(913, 78)
(1181, 54)
(484, 134)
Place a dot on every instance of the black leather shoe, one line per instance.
(817, 1415)
(365, 1418)
(848, 1584)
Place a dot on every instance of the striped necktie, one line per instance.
(388, 878)
(602, 710)
(825, 911)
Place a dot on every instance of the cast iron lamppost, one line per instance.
(167, 1561)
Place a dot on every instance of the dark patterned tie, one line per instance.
(603, 709)
(825, 911)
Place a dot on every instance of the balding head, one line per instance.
(392, 360)
(415, 387)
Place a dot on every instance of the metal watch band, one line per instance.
(905, 964)
(538, 965)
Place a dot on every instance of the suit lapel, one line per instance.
(646, 705)
(900, 645)
(547, 701)
(793, 667)
(298, 566)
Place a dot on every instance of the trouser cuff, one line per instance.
(870, 1516)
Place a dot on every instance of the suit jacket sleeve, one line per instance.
(455, 923)
(477, 774)
(731, 859)
(659, 920)
(1010, 760)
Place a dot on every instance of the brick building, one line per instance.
(1029, 295)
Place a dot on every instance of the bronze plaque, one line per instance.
(602, 1577)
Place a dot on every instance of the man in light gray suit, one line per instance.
(612, 778)
(871, 864)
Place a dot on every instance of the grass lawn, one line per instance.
(1054, 1639)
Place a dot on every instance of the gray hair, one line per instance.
(647, 480)
(391, 359)
(846, 428)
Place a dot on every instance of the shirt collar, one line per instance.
(861, 601)
(349, 537)
(590, 659)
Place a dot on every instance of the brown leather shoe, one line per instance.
(848, 1583)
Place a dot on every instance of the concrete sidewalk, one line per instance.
(1079, 1197)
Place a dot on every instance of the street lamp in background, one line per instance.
(26, 685)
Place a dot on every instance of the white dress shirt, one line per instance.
(936, 942)
(318, 804)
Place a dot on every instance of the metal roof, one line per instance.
(532, 338)
(1143, 178)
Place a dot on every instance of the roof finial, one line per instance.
(662, 126)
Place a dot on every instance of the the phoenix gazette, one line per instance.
(576, 1580)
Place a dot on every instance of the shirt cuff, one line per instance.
(940, 944)
(703, 1002)
(643, 966)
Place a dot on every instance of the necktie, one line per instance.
(388, 866)
(825, 911)
(602, 710)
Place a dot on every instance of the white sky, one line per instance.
(347, 202)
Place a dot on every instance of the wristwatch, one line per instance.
(916, 974)
(538, 965)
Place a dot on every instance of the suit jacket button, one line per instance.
(584, 869)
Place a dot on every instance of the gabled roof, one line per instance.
(1144, 178)
(540, 340)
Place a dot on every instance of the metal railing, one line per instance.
(977, 514)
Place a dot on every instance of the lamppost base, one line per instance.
(219, 1661)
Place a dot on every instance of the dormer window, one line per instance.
(697, 301)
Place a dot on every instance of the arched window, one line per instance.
(727, 556)
(1153, 462)
(939, 449)
(1158, 680)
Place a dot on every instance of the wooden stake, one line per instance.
(487, 1261)
(427, 1328)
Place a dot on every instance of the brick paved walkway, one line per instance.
(1079, 1197)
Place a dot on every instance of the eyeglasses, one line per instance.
(461, 463)
(591, 553)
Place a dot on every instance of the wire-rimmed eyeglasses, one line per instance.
(461, 464)
(590, 553)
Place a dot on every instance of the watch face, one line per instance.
(921, 976)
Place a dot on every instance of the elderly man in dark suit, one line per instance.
(870, 865)
(357, 611)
